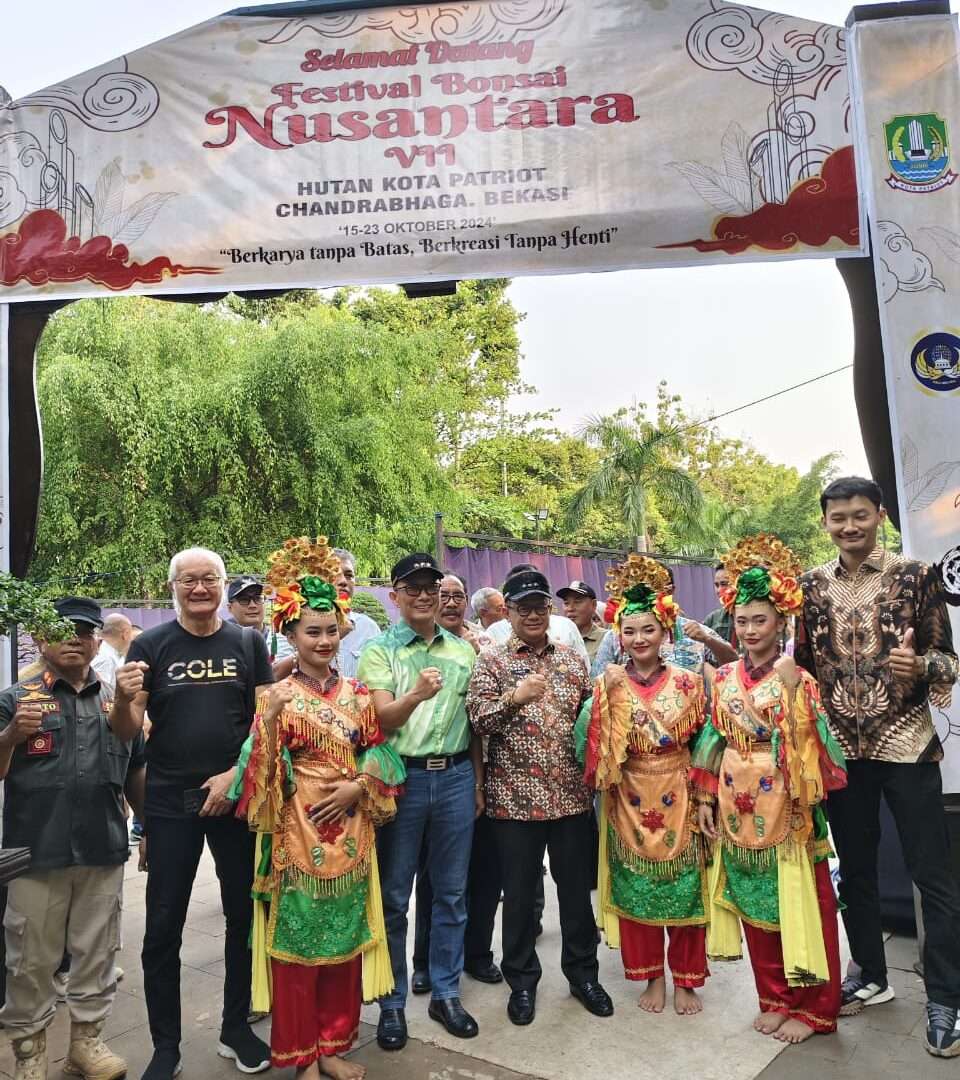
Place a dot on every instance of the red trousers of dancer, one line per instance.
(316, 1011)
(815, 1006)
(641, 949)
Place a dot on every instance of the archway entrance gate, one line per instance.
(329, 142)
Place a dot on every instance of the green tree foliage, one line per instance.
(168, 425)
(744, 492)
(523, 471)
(367, 603)
(479, 350)
(639, 470)
(237, 424)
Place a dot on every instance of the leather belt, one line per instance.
(436, 763)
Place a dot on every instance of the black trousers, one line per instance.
(483, 898)
(174, 847)
(521, 846)
(914, 796)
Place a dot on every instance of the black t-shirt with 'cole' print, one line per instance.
(199, 706)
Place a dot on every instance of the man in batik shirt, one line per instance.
(526, 695)
(876, 634)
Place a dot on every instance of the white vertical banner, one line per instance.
(905, 83)
(5, 665)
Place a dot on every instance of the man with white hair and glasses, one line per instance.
(488, 606)
(199, 676)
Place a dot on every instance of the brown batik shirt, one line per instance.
(850, 624)
(532, 773)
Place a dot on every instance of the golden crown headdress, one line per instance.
(302, 573)
(763, 568)
(640, 584)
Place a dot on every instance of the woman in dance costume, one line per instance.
(762, 768)
(314, 779)
(634, 739)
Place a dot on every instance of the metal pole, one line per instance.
(438, 536)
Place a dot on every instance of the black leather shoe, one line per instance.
(593, 998)
(420, 982)
(522, 1007)
(454, 1018)
(392, 1029)
(486, 972)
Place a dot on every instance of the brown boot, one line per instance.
(90, 1057)
(31, 1055)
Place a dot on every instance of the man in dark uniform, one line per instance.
(65, 775)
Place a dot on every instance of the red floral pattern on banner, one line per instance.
(41, 253)
(818, 210)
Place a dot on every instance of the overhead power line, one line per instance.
(760, 401)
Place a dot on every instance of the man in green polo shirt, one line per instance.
(418, 674)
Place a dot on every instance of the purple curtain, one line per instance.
(486, 568)
(150, 617)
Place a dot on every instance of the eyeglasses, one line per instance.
(208, 581)
(526, 610)
(248, 600)
(453, 598)
(414, 591)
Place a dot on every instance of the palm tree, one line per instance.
(716, 530)
(636, 468)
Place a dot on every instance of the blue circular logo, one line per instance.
(935, 361)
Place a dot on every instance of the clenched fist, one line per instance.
(26, 722)
(786, 668)
(531, 689)
(613, 676)
(429, 684)
(130, 679)
(279, 696)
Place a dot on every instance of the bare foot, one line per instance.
(342, 1070)
(686, 1001)
(311, 1072)
(654, 997)
(769, 1022)
(793, 1031)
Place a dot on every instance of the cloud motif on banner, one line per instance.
(114, 100)
(757, 44)
(817, 211)
(464, 22)
(20, 188)
(902, 267)
(41, 253)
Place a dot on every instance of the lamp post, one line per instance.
(537, 517)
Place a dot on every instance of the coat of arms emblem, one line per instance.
(919, 153)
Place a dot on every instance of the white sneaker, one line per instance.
(856, 995)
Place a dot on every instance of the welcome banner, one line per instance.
(907, 80)
(432, 141)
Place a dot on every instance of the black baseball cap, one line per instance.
(416, 563)
(577, 588)
(241, 585)
(526, 583)
(79, 609)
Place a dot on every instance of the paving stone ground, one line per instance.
(564, 1043)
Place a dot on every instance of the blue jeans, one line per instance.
(437, 806)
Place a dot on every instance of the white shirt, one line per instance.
(562, 631)
(105, 664)
(364, 630)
